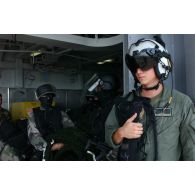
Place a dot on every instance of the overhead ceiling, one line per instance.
(57, 49)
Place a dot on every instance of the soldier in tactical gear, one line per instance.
(7, 131)
(45, 121)
(153, 122)
(100, 99)
(105, 93)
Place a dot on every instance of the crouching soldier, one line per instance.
(44, 121)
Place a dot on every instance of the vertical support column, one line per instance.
(8, 99)
(128, 81)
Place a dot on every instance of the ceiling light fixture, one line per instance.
(108, 60)
(105, 61)
(100, 62)
(35, 53)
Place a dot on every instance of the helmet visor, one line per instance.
(143, 62)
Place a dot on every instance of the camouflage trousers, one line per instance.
(8, 154)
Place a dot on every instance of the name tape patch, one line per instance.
(167, 112)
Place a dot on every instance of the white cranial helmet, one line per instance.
(148, 53)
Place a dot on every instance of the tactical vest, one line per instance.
(48, 121)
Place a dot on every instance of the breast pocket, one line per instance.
(166, 124)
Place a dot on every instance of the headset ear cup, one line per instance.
(161, 71)
(168, 68)
(157, 71)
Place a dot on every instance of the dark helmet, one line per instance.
(148, 53)
(45, 89)
(108, 82)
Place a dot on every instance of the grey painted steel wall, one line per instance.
(179, 63)
(71, 79)
(189, 49)
(175, 46)
(64, 98)
(22, 81)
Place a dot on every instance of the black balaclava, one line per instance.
(104, 96)
(46, 100)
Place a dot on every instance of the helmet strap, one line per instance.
(151, 88)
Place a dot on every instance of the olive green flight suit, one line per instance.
(175, 133)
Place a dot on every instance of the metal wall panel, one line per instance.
(69, 80)
(7, 78)
(189, 48)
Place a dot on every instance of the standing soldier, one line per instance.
(154, 122)
(100, 99)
